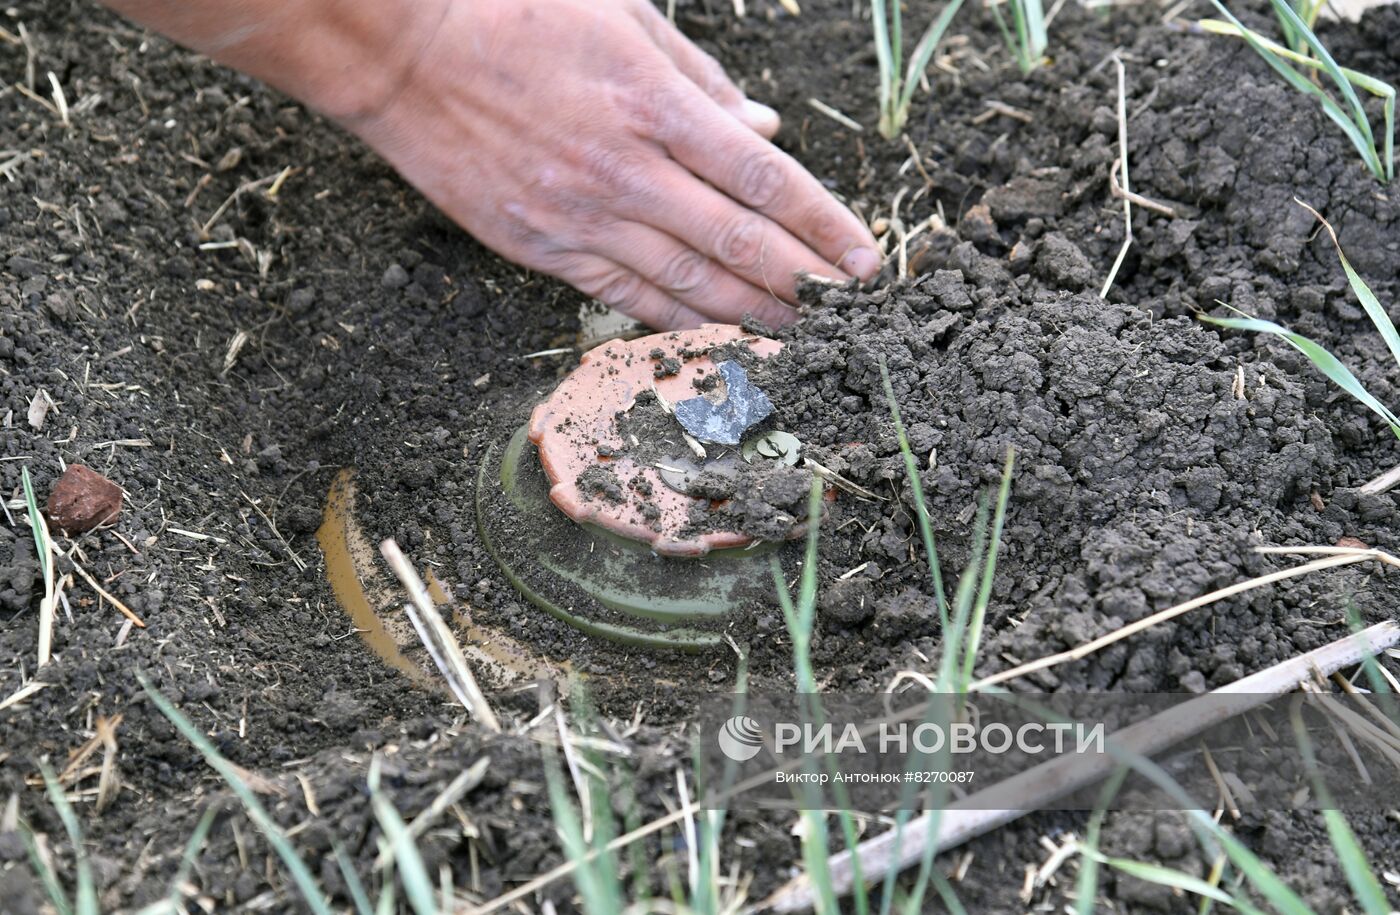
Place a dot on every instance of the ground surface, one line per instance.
(348, 326)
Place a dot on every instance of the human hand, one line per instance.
(594, 142)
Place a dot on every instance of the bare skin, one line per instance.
(586, 139)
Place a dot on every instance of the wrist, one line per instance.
(347, 59)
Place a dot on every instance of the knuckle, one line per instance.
(741, 243)
(649, 104)
(686, 271)
(614, 171)
(618, 288)
(616, 174)
(760, 179)
(712, 79)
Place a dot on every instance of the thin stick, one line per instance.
(1049, 781)
(1146, 203)
(24, 692)
(837, 116)
(1123, 161)
(438, 639)
(111, 599)
(454, 792)
(1383, 483)
(1118, 635)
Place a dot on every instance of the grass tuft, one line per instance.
(1323, 360)
(896, 88)
(1352, 118)
(1026, 36)
(301, 874)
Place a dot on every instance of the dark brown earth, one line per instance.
(344, 324)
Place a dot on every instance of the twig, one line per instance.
(1383, 483)
(1043, 784)
(123, 608)
(1147, 203)
(60, 101)
(454, 792)
(1326, 562)
(296, 560)
(1123, 162)
(837, 116)
(437, 638)
(239, 191)
(24, 692)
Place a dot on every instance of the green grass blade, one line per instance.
(1357, 869)
(352, 881)
(896, 42)
(388, 900)
(1087, 886)
(911, 469)
(52, 887)
(1359, 134)
(417, 885)
(192, 847)
(301, 874)
(1303, 31)
(1037, 38)
(984, 591)
(923, 53)
(1166, 876)
(1376, 87)
(1325, 362)
(950, 899)
(883, 58)
(595, 879)
(1368, 299)
(36, 527)
(85, 898)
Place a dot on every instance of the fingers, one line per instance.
(617, 286)
(758, 175)
(706, 73)
(743, 242)
(691, 277)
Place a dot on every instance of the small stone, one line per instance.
(82, 499)
(396, 277)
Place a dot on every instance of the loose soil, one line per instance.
(225, 379)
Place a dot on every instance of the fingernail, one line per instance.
(760, 116)
(863, 262)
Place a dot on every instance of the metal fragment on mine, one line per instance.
(725, 422)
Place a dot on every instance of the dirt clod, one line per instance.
(82, 499)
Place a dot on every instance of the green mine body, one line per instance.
(603, 584)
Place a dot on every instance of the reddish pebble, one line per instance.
(82, 499)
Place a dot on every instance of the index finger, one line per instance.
(755, 173)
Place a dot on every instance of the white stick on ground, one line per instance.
(437, 638)
(1127, 189)
(1059, 777)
